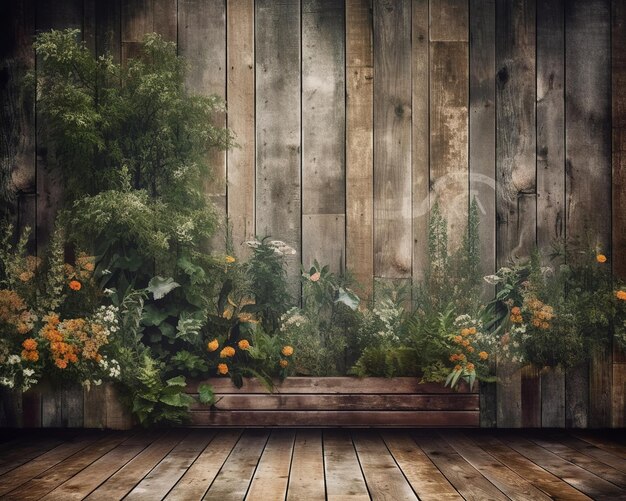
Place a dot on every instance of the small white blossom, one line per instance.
(14, 359)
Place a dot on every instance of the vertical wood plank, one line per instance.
(588, 166)
(420, 137)
(449, 73)
(392, 140)
(94, 401)
(553, 398)
(359, 143)
(323, 133)
(531, 397)
(118, 416)
(241, 120)
(51, 407)
(202, 42)
(137, 19)
(108, 28)
(306, 477)
(31, 408)
(618, 411)
(165, 20)
(449, 20)
(278, 101)
(515, 162)
(72, 406)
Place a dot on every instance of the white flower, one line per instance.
(492, 279)
(28, 372)
(253, 243)
(97, 382)
(7, 382)
(14, 359)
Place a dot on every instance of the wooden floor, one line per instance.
(309, 465)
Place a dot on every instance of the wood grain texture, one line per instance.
(344, 479)
(618, 410)
(577, 397)
(137, 19)
(420, 135)
(482, 129)
(359, 143)
(240, 91)
(392, 140)
(278, 115)
(553, 398)
(94, 407)
(323, 133)
(108, 28)
(272, 473)
(306, 477)
(449, 20)
(449, 73)
(618, 84)
(531, 397)
(509, 394)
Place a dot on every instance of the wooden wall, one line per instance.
(354, 117)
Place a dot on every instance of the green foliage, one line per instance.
(206, 395)
(388, 362)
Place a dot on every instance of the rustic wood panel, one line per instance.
(588, 158)
(420, 135)
(392, 140)
(108, 24)
(278, 115)
(306, 478)
(323, 133)
(272, 473)
(531, 397)
(240, 92)
(359, 143)
(449, 20)
(449, 73)
(553, 398)
(342, 470)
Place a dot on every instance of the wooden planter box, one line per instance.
(337, 401)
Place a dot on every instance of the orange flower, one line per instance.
(483, 355)
(472, 330)
(283, 363)
(230, 259)
(244, 344)
(30, 355)
(60, 363)
(601, 258)
(228, 351)
(75, 285)
(29, 344)
(465, 332)
(457, 368)
(222, 369)
(287, 351)
(213, 345)
(621, 295)
(470, 367)
(516, 310)
(465, 343)
(470, 349)
(458, 339)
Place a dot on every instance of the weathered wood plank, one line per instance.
(234, 477)
(241, 121)
(137, 19)
(165, 17)
(306, 477)
(118, 415)
(383, 476)
(323, 133)
(449, 20)
(392, 140)
(553, 398)
(15, 454)
(577, 397)
(272, 473)
(482, 134)
(618, 86)
(425, 478)
(531, 397)
(168, 472)
(94, 401)
(359, 143)
(108, 28)
(278, 101)
(588, 155)
(509, 395)
(618, 411)
(324, 418)
(449, 73)
(340, 385)
(420, 135)
(343, 402)
(344, 479)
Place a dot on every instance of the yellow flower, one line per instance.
(601, 258)
(222, 369)
(287, 351)
(458, 339)
(25, 276)
(244, 344)
(228, 351)
(621, 295)
(283, 363)
(230, 259)
(465, 332)
(483, 355)
(213, 345)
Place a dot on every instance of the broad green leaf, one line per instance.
(347, 297)
(206, 394)
(160, 287)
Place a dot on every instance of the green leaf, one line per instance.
(206, 394)
(153, 316)
(177, 381)
(160, 287)
(347, 297)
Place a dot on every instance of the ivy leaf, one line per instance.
(206, 394)
(160, 287)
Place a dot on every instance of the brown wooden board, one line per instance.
(107, 26)
(342, 470)
(588, 158)
(449, 20)
(322, 418)
(323, 133)
(240, 119)
(618, 93)
(359, 143)
(392, 140)
(531, 397)
(306, 477)
(553, 398)
(271, 477)
(278, 119)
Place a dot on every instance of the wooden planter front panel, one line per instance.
(337, 401)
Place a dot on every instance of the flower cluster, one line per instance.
(472, 346)
(15, 312)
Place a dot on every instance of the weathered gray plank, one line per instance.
(272, 473)
(588, 155)
(449, 20)
(306, 477)
(240, 91)
(278, 100)
(553, 398)
(108, 28)
(323, 133)
(359, 143)
(392, 140)
(618, 86)
(342, 471)
(137, 19)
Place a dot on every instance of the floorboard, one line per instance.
(262, 464)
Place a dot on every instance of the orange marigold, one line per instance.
(29, 344)
(470, 366)
(283, 363)
(60, 363)
(244, 344)
(458, 339)
(287, 351)
(213, 345)
(222, 369)
(228, 351)
(75, 285)
(601, 258)
(457, 368)
(483, 355)
(621, 295)
(516, 310)
(472, 330)
(465, 332)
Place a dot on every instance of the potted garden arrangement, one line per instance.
(130, 295)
